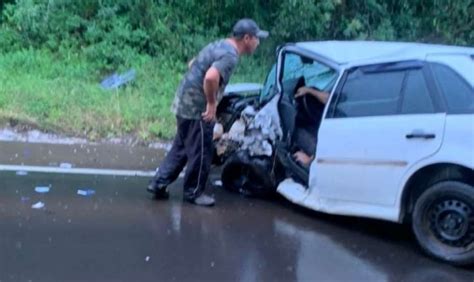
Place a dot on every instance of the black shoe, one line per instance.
(202, 200)
(159, 193)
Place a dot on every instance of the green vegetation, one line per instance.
(54, 53)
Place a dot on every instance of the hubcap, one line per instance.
(452, 222)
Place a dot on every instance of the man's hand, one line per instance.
(302, 158)
(211, 86)
(210, 113)
(302, 91)
(323, 97)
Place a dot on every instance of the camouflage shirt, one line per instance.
(190, 100)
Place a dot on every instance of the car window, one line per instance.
(459, 95)
(320, 76)
(370, 94)
(416, 96)
(292, 73)
(300, 71)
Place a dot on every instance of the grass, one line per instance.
(62, 94)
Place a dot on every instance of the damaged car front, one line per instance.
(395, 142)
(258, 147)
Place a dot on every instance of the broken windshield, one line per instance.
(299, 70)
(302, 71)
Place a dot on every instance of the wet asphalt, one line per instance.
(98, 156)
(121, 234)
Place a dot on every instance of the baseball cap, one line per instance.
(248, 26)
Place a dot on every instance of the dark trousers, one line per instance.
(193, 146)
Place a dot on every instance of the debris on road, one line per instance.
(21, 173)
(115, 80)
(38, 205)
(42, 189)
(65, 165)
(88, 192)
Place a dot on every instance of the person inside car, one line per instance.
(305, 133)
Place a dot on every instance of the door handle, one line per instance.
(420, 135)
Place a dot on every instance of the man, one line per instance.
(195, 107)
(305, 136)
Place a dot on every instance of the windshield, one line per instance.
(299, 71)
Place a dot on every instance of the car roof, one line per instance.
(367, 52)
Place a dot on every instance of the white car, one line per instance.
(395, 140)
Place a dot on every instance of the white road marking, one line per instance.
(94, 171)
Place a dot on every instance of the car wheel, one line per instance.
(443, 222)
(248, 175)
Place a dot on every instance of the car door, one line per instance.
(381, 120)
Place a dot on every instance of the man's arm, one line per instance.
(221, 69)
(323, 97)
(211, 86)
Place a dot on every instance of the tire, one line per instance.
(248, 175)
(443, 222)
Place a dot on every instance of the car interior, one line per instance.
(302, 113)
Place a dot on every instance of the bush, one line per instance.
(54, 53)
(109, 32)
